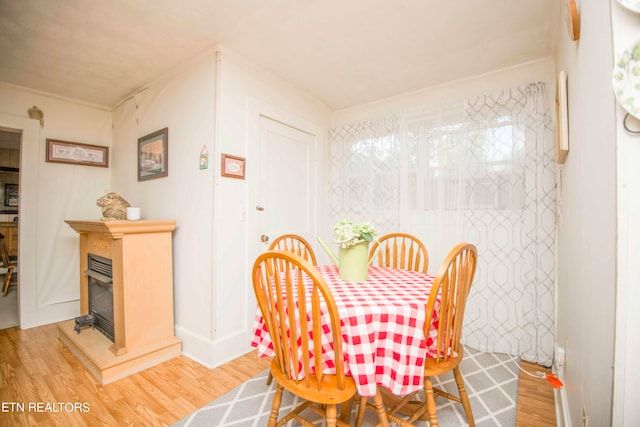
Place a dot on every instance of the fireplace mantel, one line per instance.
(116, 228)
(142, 260)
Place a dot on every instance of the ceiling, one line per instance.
(344, 52)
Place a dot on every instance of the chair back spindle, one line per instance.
(296, 244)
(400, 250)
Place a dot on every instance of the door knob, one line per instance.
(259, 208)
(264, 238)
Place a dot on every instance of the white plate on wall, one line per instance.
(632, 5)
(626, 79)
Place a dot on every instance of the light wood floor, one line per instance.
(38, 373)
(536, 406)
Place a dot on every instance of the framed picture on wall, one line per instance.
(11, 195)
(76, 153)
(233, 166)
(153, 153)
(562, 119)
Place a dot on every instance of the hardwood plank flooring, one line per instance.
(43, 384)
(536, 405)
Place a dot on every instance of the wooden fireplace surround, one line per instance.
(142, 262)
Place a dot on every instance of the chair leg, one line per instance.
(332, 416)
(361, 409)
(7, 281)
(380, 409)
(378, 406)
(275, 407)
(464, 397)
(431, 402)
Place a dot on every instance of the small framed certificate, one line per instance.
(233, 166)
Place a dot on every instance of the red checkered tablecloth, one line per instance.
(382, 327)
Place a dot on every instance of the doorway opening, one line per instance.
(10, 144)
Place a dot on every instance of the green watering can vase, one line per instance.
(353, 262)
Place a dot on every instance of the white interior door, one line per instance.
(286, 196)
(285, 200)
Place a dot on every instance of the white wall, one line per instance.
(184, 102)
(587, 227)
(49, 280)
(626, 26)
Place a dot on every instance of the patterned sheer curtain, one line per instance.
(481, 171)
(365, 172)
(511, 189)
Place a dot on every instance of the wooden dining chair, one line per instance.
(291, 296)
(400, 250)
(7, 263)
(296, 244)
(451, 287)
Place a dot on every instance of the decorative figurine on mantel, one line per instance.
(114, 207)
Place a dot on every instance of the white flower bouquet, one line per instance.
(350, 233)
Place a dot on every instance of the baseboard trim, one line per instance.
(212, 353)
(561, 402)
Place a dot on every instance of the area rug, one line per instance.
(491, 380)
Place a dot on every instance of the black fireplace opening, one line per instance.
(100, 282)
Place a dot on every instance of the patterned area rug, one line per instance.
(491, 380)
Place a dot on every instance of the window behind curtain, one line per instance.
(451, 167)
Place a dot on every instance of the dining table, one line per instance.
(382, 324)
